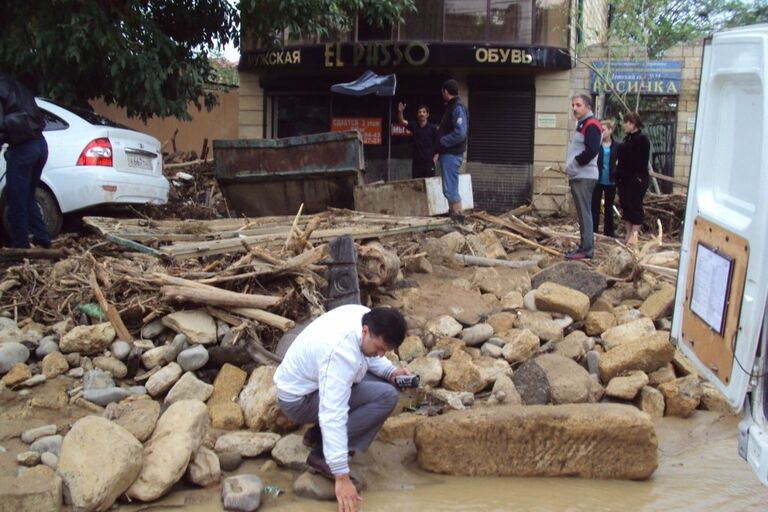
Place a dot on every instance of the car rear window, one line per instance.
(91, 116)
(53, 122)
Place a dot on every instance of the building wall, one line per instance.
(595, 29)
(219, 123)
(250, 120)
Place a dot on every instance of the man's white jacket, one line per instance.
(327, 357)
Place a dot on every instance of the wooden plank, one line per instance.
(218, 297)
(112, 314)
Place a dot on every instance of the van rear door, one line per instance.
(722, 281)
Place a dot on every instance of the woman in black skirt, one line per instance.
(632, 176)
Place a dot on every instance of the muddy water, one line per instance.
(699, 469)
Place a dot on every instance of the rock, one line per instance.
(92, 484)
(120, 349)
(541, 324)
(193, 358)
(645, 354)
(619, 263)
(683, 365)
(628, 386)
(163, 380)
(659, 303)
(16, 375)
(597, 322)
(189, 387)
(561, 299)
(411, 348)
(97, 379)
(204, 469)
(429, 370)
(47, 346)
(315, 487)
(504, 391)
(11, 334)
(39, 489)
(682, 395)
(541, 441)
(491, 369)
(664, 374)
(419, 265)
(486, 244)
(136, 416)
(563, 322)
(651, 401)
(63, 327)
(491, 350)
(258, 400)
(242, 492)
(512, 301)
(713, 400)
(226, 415)
(461, 374)
(246, 443)
(105, 396)
(631, 331)
(157, 356)
(452, 243)
(290, 452)
(11, 354)
(54, 364)
(477, 334)
(88, 339)
(569, 382)
(109, 364)
(75, 373)
(529, 301)
(454, 399)
(573, 346)
(521, 345)
(222, 406)
(229, 461)
(196, 324)
(401, 426)
(47, 444)
(33, 434)
(153, 329)
(444, 327)
(532, 384)
(176, 438)
(574, 275)
(50, 460)
(501, 322)
(28, 459)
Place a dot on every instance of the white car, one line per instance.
(93, 161)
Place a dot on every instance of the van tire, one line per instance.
(49, 208)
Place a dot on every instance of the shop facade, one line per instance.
(511, 59)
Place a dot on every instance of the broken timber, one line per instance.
(190, 239)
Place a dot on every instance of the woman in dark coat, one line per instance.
(632, 175)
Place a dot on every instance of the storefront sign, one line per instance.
(370, 127)
(406, 54)
(399, 130)
(546, 121)
(653, 77)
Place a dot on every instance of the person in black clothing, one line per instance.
(452, 144)
(632, 175)
(605, 190)
(424, 141)
(21, 126)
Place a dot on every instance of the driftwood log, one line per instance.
(377, 266)
(219, 297)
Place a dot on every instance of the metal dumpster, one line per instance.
(261, 177)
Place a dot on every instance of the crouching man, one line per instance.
(334, 375)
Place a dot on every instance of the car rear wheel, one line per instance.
(49, 209)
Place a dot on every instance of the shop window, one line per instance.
(301, 114)
(511, 21)
(551, 27)
(425, 24)
(368, 31)
(466, 20)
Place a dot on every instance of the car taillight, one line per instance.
(97, 152)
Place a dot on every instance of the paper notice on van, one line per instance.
(711, 284)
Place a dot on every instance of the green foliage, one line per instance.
(264, 20)
(660, 24)
(147, 56)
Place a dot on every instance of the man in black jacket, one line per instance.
(453, 144)
(21, 126)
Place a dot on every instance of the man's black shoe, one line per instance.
(578, 256)
(45, 244)
(316, 462)
(458, 218)
(312, 437)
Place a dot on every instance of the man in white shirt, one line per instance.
(334, 374)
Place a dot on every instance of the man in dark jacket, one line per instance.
(21, 126)
(453, 144)
(424, 141)
(605, 190)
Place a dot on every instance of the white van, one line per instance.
(721, 304)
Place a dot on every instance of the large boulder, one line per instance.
(176, 438)
(541, 324)
(682, 395)
(11, 354)
(429, 370)
(411, 348)
(461, 374)
(444, 326)
(222, 405)
(204, 468)
(88, 339)
(628, 386)
(163, 380)
(486, 244)
(574, 275)
(597, 322)
(138, 417)
(242, 492)
(197, 325)
(92, 483)
(645, 354)
(624, 333)
(38, 489)
(659, 303)
(569, 382)
(585, 440)
(521, 345)
(189, 387)
(246, 443)
(532, 384)
(290, 452)
(258, 400)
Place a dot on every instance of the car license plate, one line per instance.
(139, 161)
